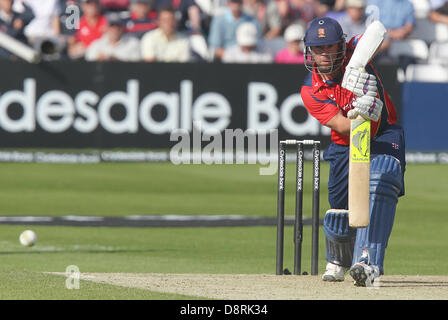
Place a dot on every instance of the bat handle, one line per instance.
(353, 115)
(359, 117)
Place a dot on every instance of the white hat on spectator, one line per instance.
(247, 34)
(355, 3)
(294, 32)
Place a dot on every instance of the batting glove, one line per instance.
(366, 106)
(360, 83)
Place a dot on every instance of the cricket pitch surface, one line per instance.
(272, 287)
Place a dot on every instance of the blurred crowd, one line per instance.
(228, 31)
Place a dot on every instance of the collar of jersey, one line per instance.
(318, 83)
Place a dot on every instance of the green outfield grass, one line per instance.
(417, 244)
(113, 189)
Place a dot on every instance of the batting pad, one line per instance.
(339, 238)
(385, 186)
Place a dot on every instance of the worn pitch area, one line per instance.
(272, 287)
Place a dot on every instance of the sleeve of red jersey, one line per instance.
(351, 45)
(318, 105)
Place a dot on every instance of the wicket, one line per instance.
(298, 222)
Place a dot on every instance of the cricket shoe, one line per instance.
(364, 274)
(334, 273)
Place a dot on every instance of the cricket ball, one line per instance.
(28, 238)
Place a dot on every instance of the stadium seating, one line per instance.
(441, 32)
(429, 31)
(421, 8)
(438, 53)
(426, 73)
(425, 30)
(415, 48)
(426, 49)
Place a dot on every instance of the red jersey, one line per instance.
(87, 33)
(324, 99)
(142, 25)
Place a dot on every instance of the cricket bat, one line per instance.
(359, 162)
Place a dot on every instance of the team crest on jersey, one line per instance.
(321, 33)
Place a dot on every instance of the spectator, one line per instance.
(92, 26)
(187, 13)
(165, 44)
(436, 4)
(46, 19)
(293, 53)
(331, 8)
(247, 49)
(223, 28)
(354, 22)
(397, 16)
(44, 31)
(115, 5)
(13, 23)
(439, 13)
(142, 17)
(292, 11)
(212, 7)
(267, 14)
(114, 44)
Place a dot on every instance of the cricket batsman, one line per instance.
(329, 94)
